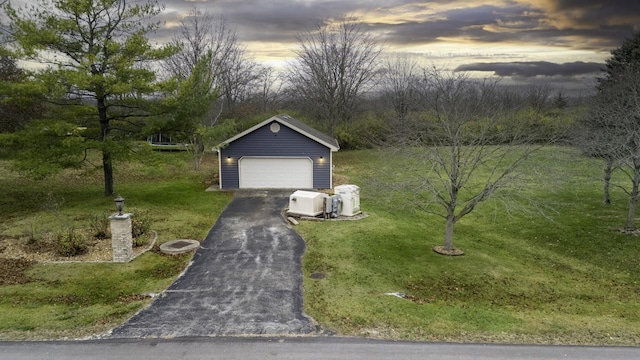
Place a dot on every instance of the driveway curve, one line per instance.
(245, 279)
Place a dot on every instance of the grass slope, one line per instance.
(52, 301)
(565, 276)
(553, 271)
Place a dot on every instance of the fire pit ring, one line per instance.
(180, 246)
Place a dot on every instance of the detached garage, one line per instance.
(279, 153)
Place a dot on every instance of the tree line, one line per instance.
(101, 86)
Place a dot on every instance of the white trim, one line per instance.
(282, 122)
(330, 169)
(274, 157)
(220, 169)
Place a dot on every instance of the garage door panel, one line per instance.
(265, 172)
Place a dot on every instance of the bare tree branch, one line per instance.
(336, 63)
(467, 143)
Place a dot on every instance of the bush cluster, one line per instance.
(70, 242)
(360, 134)
(100, 226)
(140, 228)
(372, 130)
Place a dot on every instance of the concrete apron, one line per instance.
(245, 279)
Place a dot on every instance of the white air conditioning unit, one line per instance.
(306, 203)
(349, 199)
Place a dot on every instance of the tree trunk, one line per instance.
(107, 168)
(633, 198)
(608, 168)
(197, 151)
(107, 165)
(633, 202)
(448, 234)
(453, 197)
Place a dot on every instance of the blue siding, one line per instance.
(286, 142)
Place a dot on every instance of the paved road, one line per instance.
(245, 279)
(298, 348)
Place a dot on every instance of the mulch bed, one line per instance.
(453, 252)
(18, 255)
(12, 271)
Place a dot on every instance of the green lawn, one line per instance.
(547, 266)
(54, 300)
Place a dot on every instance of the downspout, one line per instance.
(219, 168)
(330, 169)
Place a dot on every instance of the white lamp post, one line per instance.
(121, 240)
(119, 204)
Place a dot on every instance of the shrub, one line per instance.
(140, 228)
(99, 226)
(361, 134)
(32, 235)
(70, 242)
(140, 240)
(52, 201)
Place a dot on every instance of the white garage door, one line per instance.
(271, 173)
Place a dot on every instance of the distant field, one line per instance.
(547, 266)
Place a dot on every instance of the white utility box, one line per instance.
(307, 203)
(349, 199)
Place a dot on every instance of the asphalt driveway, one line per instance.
(245, 279)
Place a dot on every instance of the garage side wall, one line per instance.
(284, 143)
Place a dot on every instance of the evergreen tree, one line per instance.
(96, 53)
(20, 99)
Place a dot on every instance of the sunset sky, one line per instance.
(558, 42)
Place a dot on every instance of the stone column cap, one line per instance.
(120, 217)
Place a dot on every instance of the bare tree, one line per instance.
(466, 146)
(237, 79)
(267, 89)
(399, 85)
(613, 127)
(596, 136)
(201, 33)
(538, 97)
(206, 39)
(231, 69)
(336, 63)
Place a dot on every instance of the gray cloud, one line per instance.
(467, 23)
(596, 12)
(518, 23)
(536, 68)
(593, 25)
(271, 20)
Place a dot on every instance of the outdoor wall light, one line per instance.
(119, 204)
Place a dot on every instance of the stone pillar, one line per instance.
(121, 241)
